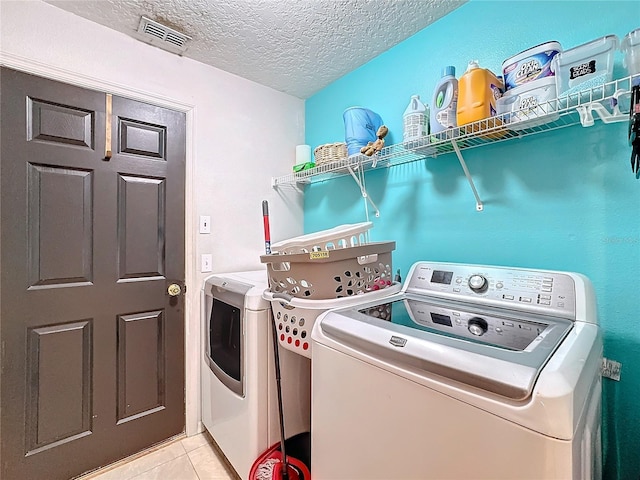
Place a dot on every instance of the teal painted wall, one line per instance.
(563, 200)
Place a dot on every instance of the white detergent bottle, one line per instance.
(415, 120)
(445, 101)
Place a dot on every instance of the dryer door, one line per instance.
(225, 331)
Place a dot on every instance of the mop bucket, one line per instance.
(269, 465)
(360, 127)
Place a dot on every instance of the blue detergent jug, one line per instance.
(360, 127)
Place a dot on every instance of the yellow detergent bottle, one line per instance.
(478, 92)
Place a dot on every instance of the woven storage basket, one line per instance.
(330, 152)
(295, 317)
(329, 274)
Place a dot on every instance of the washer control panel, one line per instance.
(511, 332)
(530, 290)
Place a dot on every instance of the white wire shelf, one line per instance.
(610, 101)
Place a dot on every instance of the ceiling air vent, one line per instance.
(162, 36)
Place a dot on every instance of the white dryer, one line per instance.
(239, 402)
(470, 372)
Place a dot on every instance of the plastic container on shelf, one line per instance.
(630, 47)
(415, 120)
(360, 127)
(444, 102)
(584, 67)
(529, 108)
(530, 68)
(530, 87)
(478, 92)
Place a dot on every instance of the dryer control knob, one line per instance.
(478, 283)
(478, 326)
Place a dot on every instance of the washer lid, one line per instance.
(490, 349)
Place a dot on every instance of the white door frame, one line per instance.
(193, 423)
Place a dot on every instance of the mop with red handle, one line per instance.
(265, 222)
(274, 463)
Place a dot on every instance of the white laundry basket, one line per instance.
(342, 236)
(313, 273)
(330, 274)
(295, 317)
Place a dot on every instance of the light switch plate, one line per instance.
(205, 224)
(207, 263)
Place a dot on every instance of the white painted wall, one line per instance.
(240, 134)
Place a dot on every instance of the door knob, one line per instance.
(174, 290)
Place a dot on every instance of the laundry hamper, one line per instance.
(330, 274)
(313, 273)
(342, 236)
(295, 317)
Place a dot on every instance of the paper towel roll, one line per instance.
(303, 154)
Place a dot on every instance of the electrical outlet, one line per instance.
(611, 369)
(205, 224)
(206, 263)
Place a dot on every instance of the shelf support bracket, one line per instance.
(363, 190)
(586, 113)
(479, 205)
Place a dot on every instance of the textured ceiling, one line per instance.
(294, 46)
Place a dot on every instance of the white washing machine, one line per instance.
(470, 372)
(239, 399)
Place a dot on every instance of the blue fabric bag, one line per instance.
(360, 127)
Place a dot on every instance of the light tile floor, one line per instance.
(191, 458)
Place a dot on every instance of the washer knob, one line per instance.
(478, 283)
(478, 326)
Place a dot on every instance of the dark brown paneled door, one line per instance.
(92, 343)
